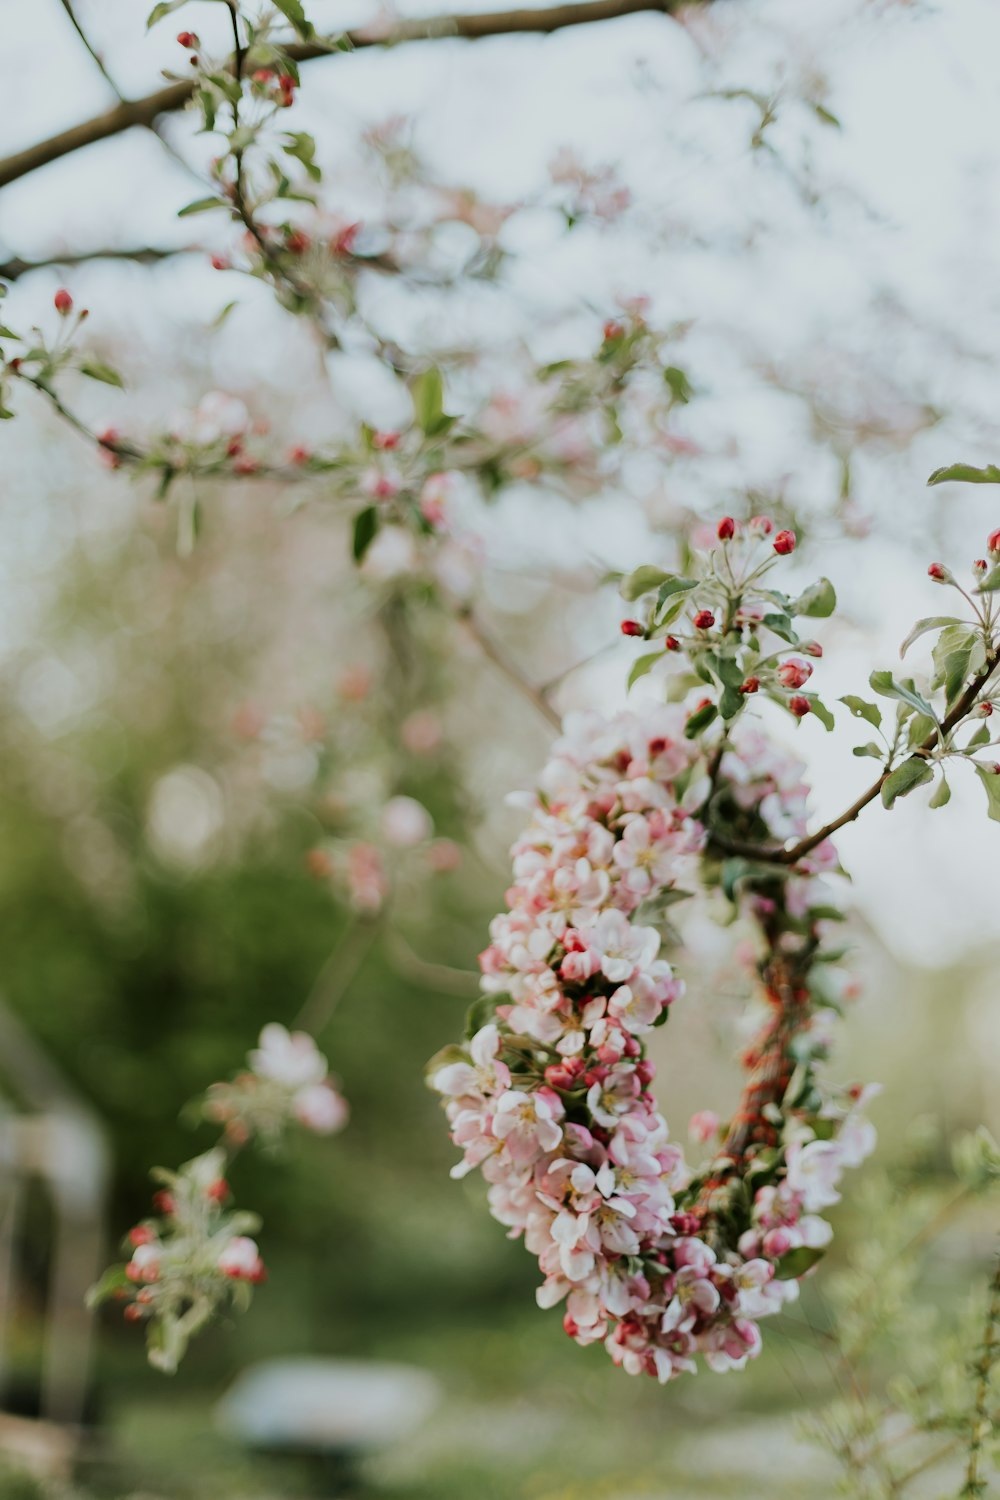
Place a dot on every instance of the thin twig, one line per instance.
(496, 654)
(762, 854)
(472, 27)
(336, 977)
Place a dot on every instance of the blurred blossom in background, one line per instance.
(223, 758)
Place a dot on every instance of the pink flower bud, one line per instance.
(799, 706)
(726, 529)
(752, 685)
(938, 572)
(703, 620)
(980, 565)
(993, 543)
(63, 302)
(188, 39)
(984, 710)
(784, 543)
(811, 648)
(613, 330)
(793, 673)
(632, 627)
(762, 525)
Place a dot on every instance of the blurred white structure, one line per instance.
(49, 1138)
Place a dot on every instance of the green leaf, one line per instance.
(991, 582)
(941, 795)
(821, 711)
(678, 384)
(991, 781)
(957, 650)
(427, 394)
(905, 778)
(826, 115)
(293, 12)
(641, 581)
(731, 703)
(795, 1263)
(480, 1012)
(818, 601)
(302, 146)
(199, 206)
(981, 737)
(966, 474)
(930, 622)
(700, 720)
(365, 530)
(781, 625)
(94, 369)
(642, 665)
(875, 752)
(861, 709)
(111, 1282)
(674, 585)
(165, 8)
(886, 686)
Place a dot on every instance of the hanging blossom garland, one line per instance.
(551, 1097)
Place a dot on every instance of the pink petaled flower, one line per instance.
(288, 1057)
(528, 1123)
(813, 1171)
(240, 1260)
(704, 1125)
(320, 1109)
(645, 860)
(794, 673)
(633, 1009)
(145, 1263)
(483, 1075)
(623, 949)
(611, 1097)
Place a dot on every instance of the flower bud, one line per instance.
(784, 543)
(984, 709)
(140, 1235)
(672, 643)
(632, 627)
(703, 620)
(613, 330)
(726, 529)
(980, 566)
(811, 648)
(752, 685)
(939, 573)
(761, 525)
(799, 706)
(793, 673)
(993, 543)
(63, 302)
(188, 39)
(131, 1312)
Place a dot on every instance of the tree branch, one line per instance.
(142, 255)
(472, 27)
(791, 856)
(496, 654)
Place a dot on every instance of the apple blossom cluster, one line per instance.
(552, 1097)
(195, 1256)
(189, 1261)
(287, 1083)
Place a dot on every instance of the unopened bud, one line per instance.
(799, 706)
(63, 302)
(703, 620)
(632, 627)
(726, 529)
(784, 543)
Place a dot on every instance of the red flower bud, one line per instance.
(218, 1191)
(993, 542)
(938, 572)
(703, 620)
(188, 39)
(297, 242)
(726, 529)
(220, 263)
(794, 674)
(984, 710)
(980, 565)
(784, 543)
(299, 455)
(752, 685)
(762, 525)
(811, 648)
(140, 1235)
(613, 330)
(672, 643)
(799, 706)
(63, 302)
(132, 1313)
(632, 627)
(163, 1202)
